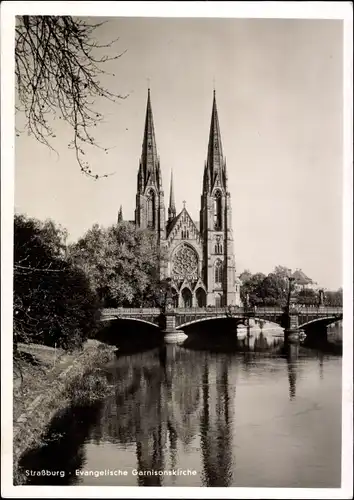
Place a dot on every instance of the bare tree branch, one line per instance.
(57, 72)
(34, 269)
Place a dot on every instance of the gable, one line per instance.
(183, 228)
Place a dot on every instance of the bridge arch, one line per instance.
(203, 320)
(240, 319)
(275, 322)
(127, 318)
(329, 320)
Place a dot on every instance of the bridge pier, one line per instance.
(292, 331)
(171, 334)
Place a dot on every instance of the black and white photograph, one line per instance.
(175, 247)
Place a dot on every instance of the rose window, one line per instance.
(185, 263)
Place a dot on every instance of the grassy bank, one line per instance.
(45, 382)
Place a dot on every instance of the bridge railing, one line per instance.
(319, 309)
(228, 310)
(254, 311)
(126, 311)
(203, 310)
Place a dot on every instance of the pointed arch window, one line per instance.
(218, 272)
(151, 210)
(217, 210)
(218, 246)
(186, 297)
(201, 297)
(218, 249)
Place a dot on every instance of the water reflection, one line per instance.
(179, 393)
(218, 412)
(292, 353)
(240, 339)
(216, 415)
(168, 409)
(170, 398)
(320, 364)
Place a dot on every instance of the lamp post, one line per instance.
(292, 319)
(166, 296)
(321, 297)
(290, 289)
(247, 301)
(171, 334)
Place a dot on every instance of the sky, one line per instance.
(278, 88)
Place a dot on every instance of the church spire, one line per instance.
(149, 158)
(150, 206)
(215, 162)
(172, 206)
(120, 215)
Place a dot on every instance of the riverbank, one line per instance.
(47, 380)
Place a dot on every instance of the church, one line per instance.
(199, 254)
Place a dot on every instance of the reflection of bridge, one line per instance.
(174, 320)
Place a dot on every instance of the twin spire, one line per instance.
(149, 169)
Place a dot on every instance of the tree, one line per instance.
(245, 275)
(334, 298)
(121, 263)
(265, 290)
(57, 68)
(252, 289)
(273, 290)
(307, 296)
(53, 302)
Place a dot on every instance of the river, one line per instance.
(263, 416)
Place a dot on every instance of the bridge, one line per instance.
(173, 321)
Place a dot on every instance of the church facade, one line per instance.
(199, 255)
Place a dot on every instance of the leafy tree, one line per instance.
(273, 290)
(245, 275)
(53, 302)
(57, 67)
(262, 290)
(334, 298)
(121, 264)
(307, 296)
(252, 289)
